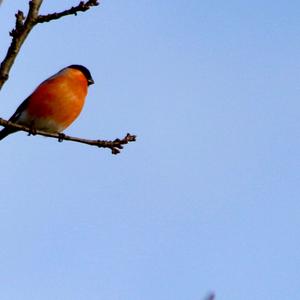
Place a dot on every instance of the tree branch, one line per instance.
(115, 146)
(19, 34)
(81, 7)
(24, 26)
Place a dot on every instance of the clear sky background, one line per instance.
(206, 200)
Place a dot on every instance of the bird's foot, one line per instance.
(61, 137)
(32, 130)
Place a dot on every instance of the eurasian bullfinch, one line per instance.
(55, 103)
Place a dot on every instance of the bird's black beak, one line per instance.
(91, 81)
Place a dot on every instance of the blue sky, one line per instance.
(206, 199)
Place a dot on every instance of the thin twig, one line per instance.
(115, 146)
(81, 7)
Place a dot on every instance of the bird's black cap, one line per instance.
(85, 72)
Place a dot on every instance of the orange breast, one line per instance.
(59, 98)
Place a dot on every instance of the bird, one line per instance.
(55, 103)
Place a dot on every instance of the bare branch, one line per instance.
(19, 34)
(115, 146)
(81, 7)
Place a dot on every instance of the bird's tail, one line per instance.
(5, 132)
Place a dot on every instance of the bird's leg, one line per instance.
(61, 137)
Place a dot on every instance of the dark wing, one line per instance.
(14, 118)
